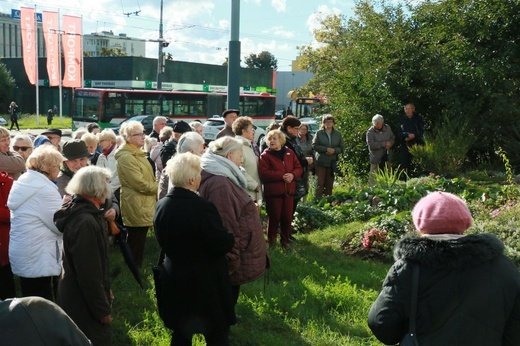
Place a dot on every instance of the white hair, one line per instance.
(90, 181)
(158, 118)
(189, 141)
(183, 167)
(378, 118)
(225, 145)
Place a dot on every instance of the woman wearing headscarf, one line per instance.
(468, 290)
(84, 287)
(138, 188)
(225, 185)
(35, 243)
(279, 169)
(195, 243)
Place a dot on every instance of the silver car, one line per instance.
(212, 127)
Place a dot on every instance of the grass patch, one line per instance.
(29, 121)
(314, 294)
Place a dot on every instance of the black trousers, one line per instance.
(136, 241)
(45, 287)
(7, 286)
(14, 122)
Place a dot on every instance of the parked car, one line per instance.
(146, 120)
(279, 114)
(3, 122)
(212, 127)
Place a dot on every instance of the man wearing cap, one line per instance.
(468, 289)
(76, 157)
(54, 135)
(229, 115)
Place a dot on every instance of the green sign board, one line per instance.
(148, 85)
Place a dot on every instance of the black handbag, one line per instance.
(161, 278)
(410, 338)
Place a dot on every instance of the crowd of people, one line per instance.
(58, 202)
(61, 199)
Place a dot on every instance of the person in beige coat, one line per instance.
(138, 188)
(244, 131)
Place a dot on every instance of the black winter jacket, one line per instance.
(469, 293)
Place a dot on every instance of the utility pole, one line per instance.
(160, 56)
(234, 58)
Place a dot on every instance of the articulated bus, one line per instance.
(109, 107)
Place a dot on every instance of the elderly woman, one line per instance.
(10, 161)
(279, 169)
(244, 131)
(195, 242)
(468, 290)
(23, 145)
(380, 139)
(107, 159)
(196, 126)
(155, 154)
(35, 243)
(263, 142)
(92, 142)
(149, 144)
(224, 184)
(327, 145)
(138, 188)
(84, 286)
(76, 157)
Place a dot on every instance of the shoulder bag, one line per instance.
(410, 338)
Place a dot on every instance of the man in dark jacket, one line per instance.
(229, 116)
(412, 132)
(469, 291)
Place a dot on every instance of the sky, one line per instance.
(199, 30)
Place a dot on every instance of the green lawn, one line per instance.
(30, 121)
(314, 294)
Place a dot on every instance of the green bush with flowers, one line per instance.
(387, 211)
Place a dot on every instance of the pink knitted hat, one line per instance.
(441, 212)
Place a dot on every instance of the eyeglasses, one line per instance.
(17, 148)
(138, 134)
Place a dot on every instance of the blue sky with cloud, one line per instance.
(199, 30)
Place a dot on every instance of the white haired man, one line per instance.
(158, 124)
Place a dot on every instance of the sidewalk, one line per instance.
(36, 132)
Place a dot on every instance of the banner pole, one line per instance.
(36, 67)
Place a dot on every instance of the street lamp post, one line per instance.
(160, 56)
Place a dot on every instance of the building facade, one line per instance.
(93, 43)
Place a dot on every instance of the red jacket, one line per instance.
(271, 170)
(5, 217)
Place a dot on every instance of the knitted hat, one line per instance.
(75, 149)
(441, 212)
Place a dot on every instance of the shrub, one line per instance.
(445, 150)
(309, 218)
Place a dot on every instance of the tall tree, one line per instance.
(453, 58)
(263, 60)
(7, 85)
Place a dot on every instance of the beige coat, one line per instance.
(138, 187)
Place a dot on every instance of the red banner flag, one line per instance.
(27, 23)
(50, 34)
(72, 51)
